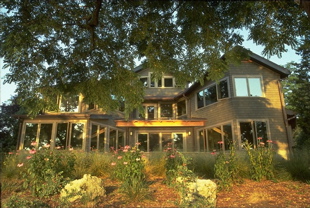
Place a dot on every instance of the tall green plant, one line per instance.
(261, 160)
(129, 168)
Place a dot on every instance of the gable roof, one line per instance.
(283, 72)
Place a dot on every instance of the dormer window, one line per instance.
(69, 103)
(163, 82)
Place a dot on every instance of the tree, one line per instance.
(8, 126)
(297, 92)
(90, 47)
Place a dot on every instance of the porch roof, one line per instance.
(160, 123)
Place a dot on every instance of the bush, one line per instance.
(16, 201)
(129, 168)
(261, 160)
(48, 171)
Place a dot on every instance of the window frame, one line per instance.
(247, 77)
(161, 81)
(255, 135)
(202, 102)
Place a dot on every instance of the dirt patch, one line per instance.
(247, 194)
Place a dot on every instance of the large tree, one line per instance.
(297, 92)
(90, 47)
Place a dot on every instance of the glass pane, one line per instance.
(142, 139)
(150, 112)
(214, 136)
(166, 110)
(159, 83)
(202, 144)
(228, 139)
(61, 136)
(77, 135)
(241, 87)
(112, 141)
(101, 138)
(94, 138)
(30, 135)
(210, 95)
(168, 82)
(166, 141)
(178, 142)
(45, 134)
(120, 141)
(154, 142)
(261, 131)
(246, 132)
(144, 81)
(200, 99)
(181, 108)
(255, 87)
(69, 103)
(223, 89)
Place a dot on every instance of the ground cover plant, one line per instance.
(131, 177)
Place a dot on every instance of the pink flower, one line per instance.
(119, 157)
(28, 157)
(172, 156)
(20, 165)
(58, 147)
(262, 143)
(138, 143)
(125, 163)
(125, 150)
(269, 141)
(10, 153)
(213, 153)
(113, 163)
(32, 151)
(259, 138)
(220, 142)
(127, 147)
(33, 143)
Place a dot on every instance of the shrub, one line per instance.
(16, 201)
(46, 171)
(298, 165)
(129, 168)
(261, 160)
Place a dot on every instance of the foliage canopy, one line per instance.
(90, 47)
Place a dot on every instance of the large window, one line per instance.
(212, 93)
(150, 142)
(248, 86)
(250, 131)
(215, 138)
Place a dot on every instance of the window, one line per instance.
(215, 138)
(248, 87)
(144, 81)
(181, 108)
(97, 137)
(251, 130)
(69, 103)
(212, 94)
(165, 81)
(166, 110)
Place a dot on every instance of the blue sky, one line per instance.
(7, 90)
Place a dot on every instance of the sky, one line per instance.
(7, 90)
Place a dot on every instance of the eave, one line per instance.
(160, 123)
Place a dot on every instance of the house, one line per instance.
(245, 105)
